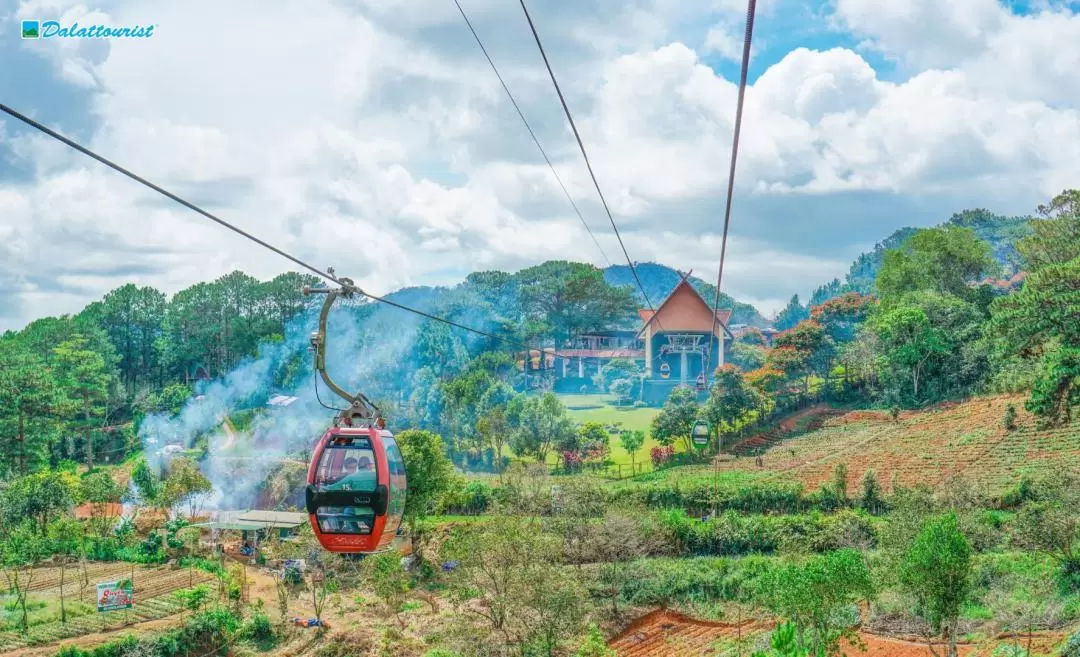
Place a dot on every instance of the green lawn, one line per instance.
(597, 408)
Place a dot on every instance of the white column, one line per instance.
(648, 352)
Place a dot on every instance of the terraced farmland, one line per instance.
(664, 633)
(670, 634)
(921, 447)
(155, 597)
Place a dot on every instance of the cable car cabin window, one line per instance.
(396, 508)
(393, 457)
(347, 467)
(345, 519)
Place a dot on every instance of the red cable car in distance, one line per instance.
(356, 483)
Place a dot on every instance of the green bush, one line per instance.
(733, 534)
(206, 565)
(1072, 645)
(259, 631)
(703, 495)
(693, 581)
(1009, 650)
(472, 498)
(1010, 417)
(206, 634)
(595, 645)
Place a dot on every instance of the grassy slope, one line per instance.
(928, 446)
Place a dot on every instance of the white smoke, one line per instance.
(368, 349)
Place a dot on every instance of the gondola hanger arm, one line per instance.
(360, 407)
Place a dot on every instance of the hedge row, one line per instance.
(697, 498)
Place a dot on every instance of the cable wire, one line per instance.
(532, 134)
(321, 402)
(750, 10)
(588, 165)
(330, 277)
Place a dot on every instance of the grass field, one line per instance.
(598, 408)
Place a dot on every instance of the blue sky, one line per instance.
(381, 143)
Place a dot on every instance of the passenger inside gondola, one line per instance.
(346, 468)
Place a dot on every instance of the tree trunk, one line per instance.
(89, 434)
(21, 438)
(63, 611)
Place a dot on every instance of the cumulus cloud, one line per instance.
(375, 139)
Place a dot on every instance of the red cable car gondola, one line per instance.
(356, 483)
(356, 489)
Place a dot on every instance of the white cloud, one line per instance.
(378, 141)
(724, 39)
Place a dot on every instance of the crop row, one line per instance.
(49, 578)
(154, 599)
(926, 447)
(152, 609)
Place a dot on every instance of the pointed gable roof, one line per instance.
(675, 312)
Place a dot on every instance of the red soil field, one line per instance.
(665, 633)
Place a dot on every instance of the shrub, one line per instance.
(472, 498)
(259, 631)
(702, 495)
(734, 534)
(1009, 650)
(595, 645)
(684, 582)
(661, 455)
(1072, 645)
(571, 461)
(1010, 417)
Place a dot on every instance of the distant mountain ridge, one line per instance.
(1000, 231)
(657, 280)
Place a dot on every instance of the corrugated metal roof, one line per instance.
(274, 518)
(233, 525)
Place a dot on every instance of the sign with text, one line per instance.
(115, 595)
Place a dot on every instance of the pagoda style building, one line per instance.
(684, 339)
(676, 344)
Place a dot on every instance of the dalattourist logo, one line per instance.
(53, 29)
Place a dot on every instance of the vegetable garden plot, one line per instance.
(47, 580)
(155, 598)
